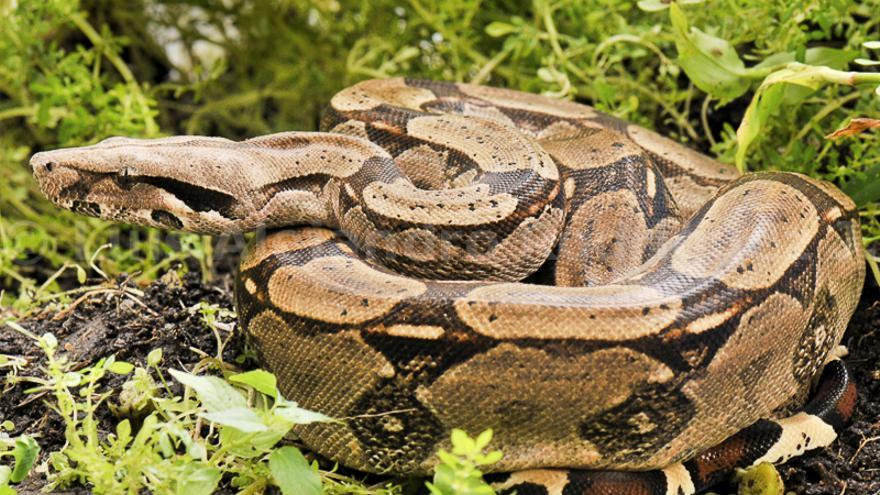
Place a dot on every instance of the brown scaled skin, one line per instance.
(689, 302)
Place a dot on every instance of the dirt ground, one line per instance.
(108, 324)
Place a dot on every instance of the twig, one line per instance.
(865, 441)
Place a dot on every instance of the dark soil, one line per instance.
(110, 324)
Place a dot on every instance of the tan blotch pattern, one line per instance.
(469, 205)
(800, 433)
(552, 479)
(425, 166)
(285, 241)
(712, 320)
(678, 480)
(530, 243)
(301, 363)
(613, 312)
(571, 388)
(750, 236)
(528, 102)
(422, 332)
(487, 112)
(368, 95)
(689, 195)
(750, 376)
(356, 128)
(589, 148)
(688, 160)
(836, 194)
(493, 146)
(339, 289)
(607, 237)
(292, 207)
(842, 272)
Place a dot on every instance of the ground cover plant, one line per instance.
(758, 84)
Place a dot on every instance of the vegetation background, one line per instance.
(74, 72)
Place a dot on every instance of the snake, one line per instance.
(628, 315)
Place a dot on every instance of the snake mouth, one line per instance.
(64, 185)
(113, 188)
(71, 185)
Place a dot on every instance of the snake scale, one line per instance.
(630, 316)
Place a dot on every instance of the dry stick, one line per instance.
(865, 441)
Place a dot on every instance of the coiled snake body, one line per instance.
(670, 308)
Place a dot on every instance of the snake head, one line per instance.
(175, 182)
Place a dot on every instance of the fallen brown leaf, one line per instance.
(855, 126)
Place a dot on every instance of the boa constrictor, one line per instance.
(630, 316)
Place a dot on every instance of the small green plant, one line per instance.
(23, 450)
(458, 472)
(249, 434)
(232, 429)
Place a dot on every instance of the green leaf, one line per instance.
(300, 416)
(406, 53)
(867, 62)
(251, 445)
(830, 57)
(491, 457)
(196, 478)
(120, 367)
(123, 432)
(292, 473)
(48, 341)
(658, 5)
(771, 94)
(240, 418)
(462, 443)
(483, 439)
(872, 45)
(711, 63)
(154, 357)
(498, 29)
(260, 380)
(214, 393)
(5, 472)
(25, 455)
(821, 55)
(765, 101)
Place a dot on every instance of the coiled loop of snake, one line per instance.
(688, 307)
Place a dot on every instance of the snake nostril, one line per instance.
(49, 166)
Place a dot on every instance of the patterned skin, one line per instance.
(448, 255)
